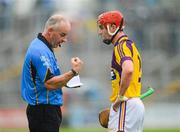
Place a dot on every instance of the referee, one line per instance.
(42, 81)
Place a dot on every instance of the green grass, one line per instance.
(162, 130)
(83, 130)
(90, 130)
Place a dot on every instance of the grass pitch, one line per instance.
(89, 130)
(105, 130)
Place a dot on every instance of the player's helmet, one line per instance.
(111, 17)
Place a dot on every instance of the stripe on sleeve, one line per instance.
(119, 50)
(129, 45)
(125, 58)
(48, 75)
(122, 51)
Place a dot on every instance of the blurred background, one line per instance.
(153, 24)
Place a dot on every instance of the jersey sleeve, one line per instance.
(42, 65)
(126, 52)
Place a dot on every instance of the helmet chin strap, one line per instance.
(109, 41)
(108, 28)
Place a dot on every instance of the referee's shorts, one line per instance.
(44, 118)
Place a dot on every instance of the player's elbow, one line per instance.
(130, 71)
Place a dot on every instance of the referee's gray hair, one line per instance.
(54, 21)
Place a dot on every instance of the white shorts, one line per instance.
(128, 118)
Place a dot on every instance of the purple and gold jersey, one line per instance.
(125, 49)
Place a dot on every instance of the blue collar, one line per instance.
(43, 39)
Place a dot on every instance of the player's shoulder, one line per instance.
(124, 43)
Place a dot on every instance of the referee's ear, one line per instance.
(49, 31)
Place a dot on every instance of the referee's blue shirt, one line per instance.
(40, 65)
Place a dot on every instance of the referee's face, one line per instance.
(59, 35)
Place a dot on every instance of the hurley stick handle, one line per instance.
(147, 93)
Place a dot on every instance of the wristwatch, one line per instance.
(74, 72)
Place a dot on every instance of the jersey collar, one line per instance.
(120, 39)
(43, 39)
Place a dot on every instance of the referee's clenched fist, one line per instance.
(76, 64)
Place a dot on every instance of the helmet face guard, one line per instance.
(108, 18)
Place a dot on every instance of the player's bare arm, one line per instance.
(127, 71)
(61, 80)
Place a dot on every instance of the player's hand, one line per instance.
(76, 64)
(116, 104)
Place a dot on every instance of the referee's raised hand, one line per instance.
(76, 64)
